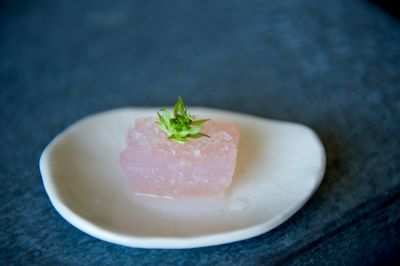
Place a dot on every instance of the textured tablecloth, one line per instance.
(332, 65)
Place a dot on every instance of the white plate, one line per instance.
(279, 167)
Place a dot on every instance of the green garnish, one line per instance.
(182, 126)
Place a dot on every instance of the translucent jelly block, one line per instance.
(158, 166)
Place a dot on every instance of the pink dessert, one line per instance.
(158, 166)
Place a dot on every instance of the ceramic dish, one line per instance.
(279, 167)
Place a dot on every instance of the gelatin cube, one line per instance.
(158, 166)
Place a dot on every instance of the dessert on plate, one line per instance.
(177, 155)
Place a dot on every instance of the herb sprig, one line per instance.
(182, 126)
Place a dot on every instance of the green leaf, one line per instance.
(160, 118)
(195, 130)
(166, 118)
(199, 122)
(199, 135)
(179, 108)
(181, 105)
(182, 126)
(176, 108)
(178, 139)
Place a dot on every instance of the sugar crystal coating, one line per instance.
(158, 166)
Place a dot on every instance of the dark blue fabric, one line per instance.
(334, 66)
